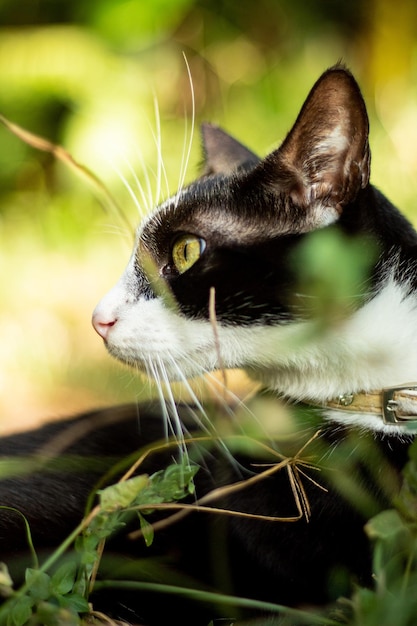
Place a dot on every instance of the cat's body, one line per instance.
(310, 561)
(238, 230)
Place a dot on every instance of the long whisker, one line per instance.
(161, 172)
(236, 401)
(175, 421)
(187, 150)
(154, 374)
(222, 395)
(203, 420)
(200, 412)
(120, 231)
(145, 191)
(131, 192)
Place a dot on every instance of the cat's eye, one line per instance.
(186, 250)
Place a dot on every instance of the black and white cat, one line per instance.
(214, 282)
(236, 230)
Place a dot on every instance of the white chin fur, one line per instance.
(173, 346)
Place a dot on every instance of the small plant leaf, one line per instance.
(122, 494)
(388, 526)
(76, 603)
(38, 584)
(20, 611)
(63, 579)
(147, 530)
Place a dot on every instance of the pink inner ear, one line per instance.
(325, 157)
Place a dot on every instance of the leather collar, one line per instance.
(396, 405)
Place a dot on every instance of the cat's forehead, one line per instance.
(207, 208)
(226, 208)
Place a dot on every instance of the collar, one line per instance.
(395, 405)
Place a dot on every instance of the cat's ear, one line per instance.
(222, 153)
(324, 160)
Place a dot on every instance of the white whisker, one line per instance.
(161, 172)
(154, 374)
(175, 421)
(187, 149)
(145, 191)
(200, 409)
(119, 231)
(206, 424)
(132, 194)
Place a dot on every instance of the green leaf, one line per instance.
(63, 579)
(365, 604)
(38, 584)
(50, 614)
(147, 530)
(122, 494)
(20, 612)
(388, 526)
(407, 498)
(173, 483)
(332, 269)
(76, 603)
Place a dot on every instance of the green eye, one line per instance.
(186, 250)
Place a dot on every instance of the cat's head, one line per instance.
(211, 280)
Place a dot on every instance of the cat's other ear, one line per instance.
(222, 153)
(325, 159)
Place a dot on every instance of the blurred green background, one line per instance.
(107, 80)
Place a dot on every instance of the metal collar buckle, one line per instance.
(390, 407)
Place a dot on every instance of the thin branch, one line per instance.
(40, 143)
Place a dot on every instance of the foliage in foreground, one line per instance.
(62, 597)
(56, 593)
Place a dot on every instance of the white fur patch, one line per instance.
(375, 348)
(336, 141)
(366, 422)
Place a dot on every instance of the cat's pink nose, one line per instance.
(102, 324)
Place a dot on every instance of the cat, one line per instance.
(214, 283)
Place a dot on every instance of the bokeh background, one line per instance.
(108, 80)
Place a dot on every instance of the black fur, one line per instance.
(282, 562)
